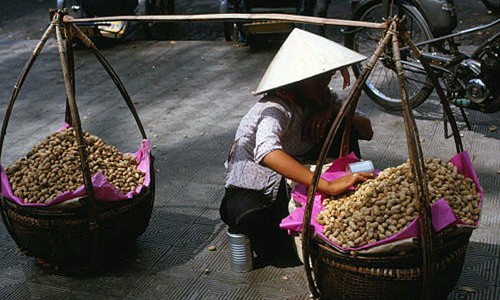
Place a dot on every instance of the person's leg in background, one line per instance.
(354, 5)
(242, 6)
(306, 7)
(321, 10)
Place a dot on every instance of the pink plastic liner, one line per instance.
(442, 213)
(103, 189)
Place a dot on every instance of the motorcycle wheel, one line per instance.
(382, 85)
(493, 5)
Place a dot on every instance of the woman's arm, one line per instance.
(281, 162)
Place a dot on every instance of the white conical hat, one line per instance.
(304, 55)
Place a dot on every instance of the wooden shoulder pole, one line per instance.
(230, 17)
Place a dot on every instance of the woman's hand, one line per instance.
(286, 165)
(341, 184)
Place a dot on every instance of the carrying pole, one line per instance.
(230, 17)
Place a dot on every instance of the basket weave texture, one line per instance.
(342, 276)
(62, 236)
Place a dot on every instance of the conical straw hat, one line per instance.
(304, 55)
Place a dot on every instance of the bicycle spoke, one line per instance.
(378, 72)
(382, 84)
(421, 81)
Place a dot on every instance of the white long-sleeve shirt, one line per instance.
(271, 124)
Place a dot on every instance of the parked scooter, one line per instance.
(244, 31)
(470, 80)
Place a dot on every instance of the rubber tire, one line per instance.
(393, 104)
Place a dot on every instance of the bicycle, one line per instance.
(424, 20)
(470, 80)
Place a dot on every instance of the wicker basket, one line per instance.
(432, 269)
(98, 232)
(62, 236)
(342, 276)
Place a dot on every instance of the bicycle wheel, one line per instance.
(382, 84)
(493, 5)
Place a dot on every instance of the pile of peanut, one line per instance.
(53, 167)
(383, 206)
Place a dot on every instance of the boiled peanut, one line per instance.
(53, 166)
(383, 206)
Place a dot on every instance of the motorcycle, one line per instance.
(238, 31)
(102, 8)
(469, 80)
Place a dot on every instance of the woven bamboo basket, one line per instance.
(429, 272)
(90, 235)
(342, 276)
(62, 236)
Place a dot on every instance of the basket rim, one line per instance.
(454, 247)
(51, 211)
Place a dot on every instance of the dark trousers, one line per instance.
(258, 216)
(252, 213)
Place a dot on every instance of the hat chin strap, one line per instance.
(293, 94)
(285, 94)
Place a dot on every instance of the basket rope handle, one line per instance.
(70, 58)
(418, 170)
(345, 109)
(10, 106)
(76, 32)
(20, 82)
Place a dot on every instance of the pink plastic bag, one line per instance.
(103, 189)
(442, 214)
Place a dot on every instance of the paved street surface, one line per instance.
(191, 88)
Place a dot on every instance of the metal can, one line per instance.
(240, 252)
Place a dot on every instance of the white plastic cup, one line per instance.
(362, 166)
(240, 252)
